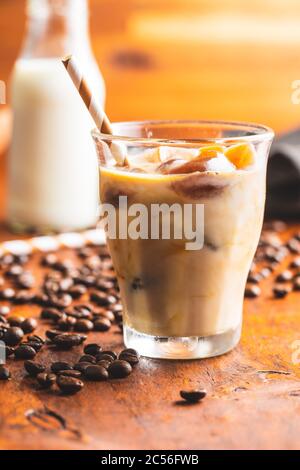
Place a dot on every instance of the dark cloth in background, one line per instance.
(283, 178)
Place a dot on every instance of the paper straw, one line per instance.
(97, 113)
(96, 110)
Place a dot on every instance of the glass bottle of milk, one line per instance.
(53, 175)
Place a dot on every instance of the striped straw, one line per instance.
(95, 109)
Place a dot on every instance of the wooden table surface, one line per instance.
(158, 65)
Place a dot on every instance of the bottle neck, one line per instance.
(56, 28)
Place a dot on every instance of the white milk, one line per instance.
(53, 177)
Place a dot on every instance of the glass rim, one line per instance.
(257, 132)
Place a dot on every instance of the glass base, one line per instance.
(192, 347)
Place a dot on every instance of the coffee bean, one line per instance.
(81, 312)
(15, 321)
(51, 314)
(130, 355)
(254, 278)
(9, 351)
(104, 286)
(70, 373)
(65, 284)
(96, 373)
(281, 291)
(60, 300)
(58, 366)
(104, 357)
(26, 281)
(24, 351)
(36, 339)
(104, 363)
(49, 260)
(100, 298)
(193, 396)
(67, 341)
(15, 270)
(51, 334)
(285, 276)
(34, 368)
(4, 310)
(93, 349)
(13, 336)
(296, 284)
(28, 325)
(265, 272)
(35, 345)
(84, 326)
(88, 358)
(23, 297)
(4, 373)
(102, 324)
(77, 291)
(252, 291)
(294, 246)
(107, 353)
(119, 369)
(66, 324)
(7, 294)
(46, 380)
(81, 366)
(69, 385)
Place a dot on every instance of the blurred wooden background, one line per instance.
(226, 59)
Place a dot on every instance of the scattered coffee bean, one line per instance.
(81, 366)
(51, 314)
(24, 351)
(193, 396)
(252, 291)
(130, 355)
(285, 276)
(4, 373)
(69, 385)
(46, 380)
(13, 336)
(88, 358)
(15, 320)
(106, 353)
(14, 271)
(296, 284)
(294, 246)
(92, 349)
(49, 260)
(102, 324)
(35, 345)
(96, 373)
(51, 334)
(104, 363)
(119, 369)
(254, 278)
(295, 263)
(7, 294)
(67, 341)
(34, 368)
(26, 281)
(84, 326)
(70, 373)
(281, 291)
(4, 310)
(58, 366)
(29, 325)
(77, 291)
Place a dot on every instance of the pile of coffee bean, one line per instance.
(95, 365)
(278, 258)
(76, 298)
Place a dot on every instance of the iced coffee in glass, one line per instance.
(187, 201)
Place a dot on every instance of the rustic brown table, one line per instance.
(246, 408)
